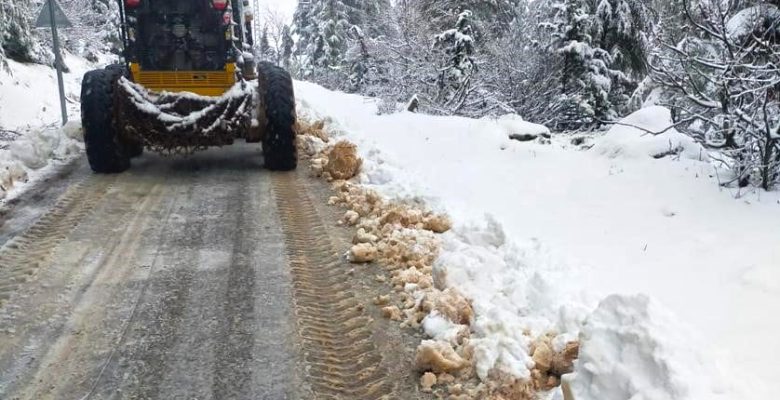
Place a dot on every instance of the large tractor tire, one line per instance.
(133, 148)
(278, 113)
(105, 152)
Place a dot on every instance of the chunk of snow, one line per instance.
(440, 328)
(631, 348)
(73, 130)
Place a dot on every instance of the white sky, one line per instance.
(286, 7)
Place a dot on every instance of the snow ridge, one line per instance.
(632, 347)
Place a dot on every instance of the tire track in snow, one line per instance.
(22, 256)
(341, 358)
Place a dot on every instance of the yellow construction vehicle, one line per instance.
(187, 81)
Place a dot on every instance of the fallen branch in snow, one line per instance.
(647, 131)
(7, 135)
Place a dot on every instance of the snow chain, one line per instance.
(181, 123)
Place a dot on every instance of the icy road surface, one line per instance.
(182, 279)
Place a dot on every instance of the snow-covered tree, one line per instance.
(621, 27)
(488, 18)
(455, 79)
(304, 28)
(359, 59)
(16, 38)
(369, 16)
(334, 37)
(723, 82)
(333, 18)
(287, 47)
(264, 46)
(586, 75)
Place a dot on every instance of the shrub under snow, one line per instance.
(646, 133)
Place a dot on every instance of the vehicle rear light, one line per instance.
(132, 3)
(219, 4)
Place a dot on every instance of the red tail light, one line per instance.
(218, 4)
(132, 3)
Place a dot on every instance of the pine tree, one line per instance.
(359, 58)
(586, 76)
(264, 46)
(488, 18)
(287, 47)
(621, 28)
(457, 72)
(326, 35)
(369, 16)
(333, 17)
(304, 28)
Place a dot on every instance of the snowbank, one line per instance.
(625, 140)
(30, 117)
(571, 227)
(25, 156)
(512, 291)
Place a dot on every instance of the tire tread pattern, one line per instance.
(104, 151)
(279, 147)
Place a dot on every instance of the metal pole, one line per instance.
(58, 62)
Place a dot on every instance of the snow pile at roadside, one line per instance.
(30, 120)
(627, 141)
(402, 238)
(35, 149)
(570, 228)
(635, 349)
(513, 292)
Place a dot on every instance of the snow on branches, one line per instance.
(725, 79)
(456, 74)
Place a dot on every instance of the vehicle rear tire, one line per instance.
(278, 101)
(105, 152)
(133, 148)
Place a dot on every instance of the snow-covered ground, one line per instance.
(671, 283)
(30, 121)
(29, 97)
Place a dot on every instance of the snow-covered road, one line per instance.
(163, 240)
(611, 220)
(174, 280)
(670, 282)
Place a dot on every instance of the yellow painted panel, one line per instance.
(205, 83)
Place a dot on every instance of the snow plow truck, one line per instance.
(188, 81)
